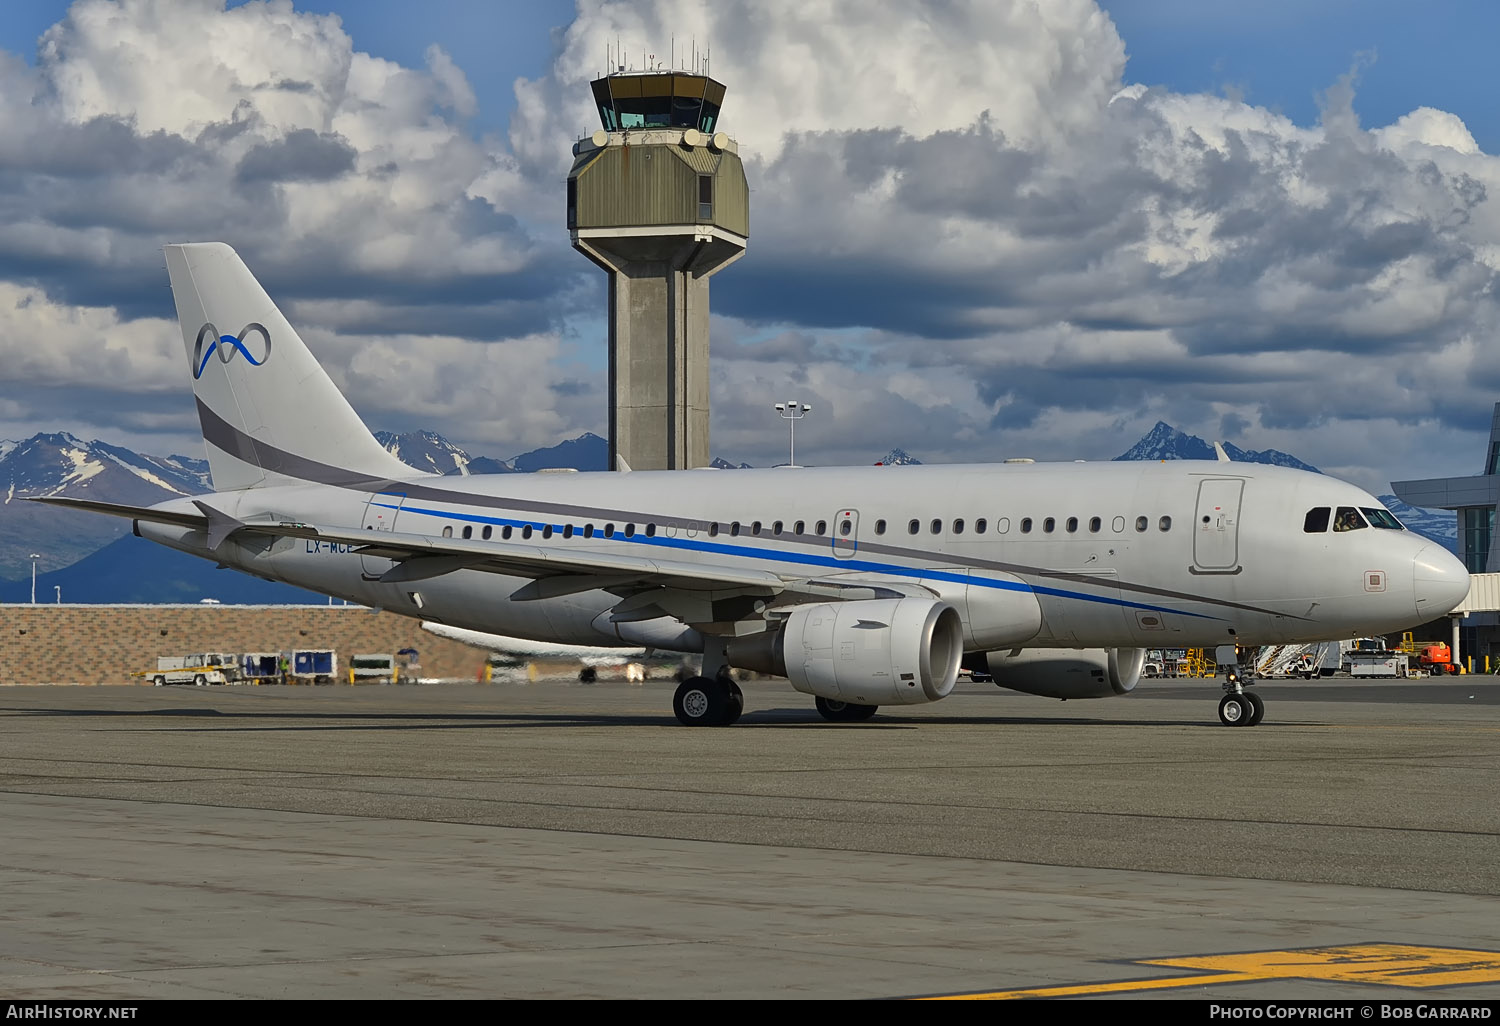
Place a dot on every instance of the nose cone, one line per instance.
(1440, 582)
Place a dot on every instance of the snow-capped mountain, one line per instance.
(62, 464)
(430, 451)
(586, 452)
(720, 463)
(1164, 442)
(426, 450)
(900, 458)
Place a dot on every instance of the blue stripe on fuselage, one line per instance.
(807, 559)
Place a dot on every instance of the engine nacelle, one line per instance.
(1066, 672)
(872, 652)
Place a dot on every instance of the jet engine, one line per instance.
(1065, 672)
(870, 652)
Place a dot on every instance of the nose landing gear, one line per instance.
(1238, 707)
(1241, 709)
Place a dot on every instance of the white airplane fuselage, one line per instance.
(1158, 555)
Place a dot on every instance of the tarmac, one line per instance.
(558, 840)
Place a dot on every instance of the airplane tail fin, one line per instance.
(270, 414)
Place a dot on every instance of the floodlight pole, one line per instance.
(34, 557)
(792, 411)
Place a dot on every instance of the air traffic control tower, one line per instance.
(657, 198)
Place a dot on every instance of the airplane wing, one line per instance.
(713, 597)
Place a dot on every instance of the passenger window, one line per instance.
(1003, 525)
(1049, 525)
(799, 527)
(1140, 523)
(485, 534)
(588, 530)
(1165, 523)
(713, 529)
(755, 527)
(630, 530)
(547, 531)
(651, 530)
(1094, 524)
(448, 531)
(734, 529)
(1316, 521)
(1072, 524)
(776, 527)
(468, 530)
(913, 527)
(526, 531)
(609, 530)
(880, 527)
(505, 532)
(567, 530)
(1348, 519)
(1025, 525)
(936, 527)
(822, 526)
(958, 527)
(980, 525)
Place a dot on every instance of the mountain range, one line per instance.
(96, 559)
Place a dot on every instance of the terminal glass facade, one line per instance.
(1477, 525)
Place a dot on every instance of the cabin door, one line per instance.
(1216, 527)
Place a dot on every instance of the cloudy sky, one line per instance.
(978, 229)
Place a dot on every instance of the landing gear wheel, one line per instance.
(701, 702)
(1235, 710)
(837, 711)
(1257, 709)
(736, 702)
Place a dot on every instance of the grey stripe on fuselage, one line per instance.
(225, 436)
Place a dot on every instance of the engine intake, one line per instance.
(1065, 673)
(873, 652)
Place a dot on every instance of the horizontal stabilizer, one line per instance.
(115, 509)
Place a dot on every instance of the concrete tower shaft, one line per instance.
(658, 199)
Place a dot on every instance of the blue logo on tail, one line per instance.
(227, 345)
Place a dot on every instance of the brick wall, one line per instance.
(82, 644)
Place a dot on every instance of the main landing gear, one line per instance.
(708, 702)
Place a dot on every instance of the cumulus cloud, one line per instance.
(972, 235)
(980, 191)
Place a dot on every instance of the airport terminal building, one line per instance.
(1474, 500)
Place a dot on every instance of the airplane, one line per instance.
(864, 586)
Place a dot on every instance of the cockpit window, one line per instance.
(1316, 521)
(1382, 518)
(1348, 519)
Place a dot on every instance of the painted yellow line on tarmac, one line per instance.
(1393, 965)
(1085, 989)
